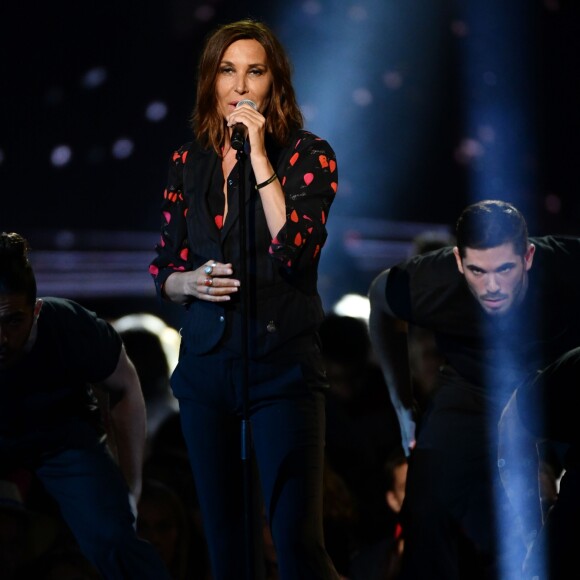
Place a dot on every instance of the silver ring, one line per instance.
(209, 268)
(207, 290)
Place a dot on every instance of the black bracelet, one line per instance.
(267, 182)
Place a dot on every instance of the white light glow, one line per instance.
(94, 77)
(156, 111)
(61, 155)
(123, 148)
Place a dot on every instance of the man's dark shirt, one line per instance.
(46, 400)
(492, 355)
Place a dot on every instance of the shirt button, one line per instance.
(222, 318)
(230, 181)
(271, 326)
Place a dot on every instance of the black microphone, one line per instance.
(239, 131)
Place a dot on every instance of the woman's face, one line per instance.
(243, 74)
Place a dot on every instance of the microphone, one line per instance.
(239, 130)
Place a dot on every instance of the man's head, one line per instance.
(18, 305)
(494, 254)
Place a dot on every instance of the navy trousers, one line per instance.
(454, 502)
(286, 404)
(93, 499)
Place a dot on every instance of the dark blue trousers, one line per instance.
(453, 496)
(93, 499)
(286, 404)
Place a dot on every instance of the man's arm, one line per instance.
(388, 336)
(128, 421)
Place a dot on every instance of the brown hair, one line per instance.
(282, 114)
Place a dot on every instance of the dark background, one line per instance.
(429, 105)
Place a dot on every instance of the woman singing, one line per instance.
(288, 183)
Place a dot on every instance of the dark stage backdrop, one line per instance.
(429, 105)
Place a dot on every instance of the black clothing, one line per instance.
(49, 425)
(453, 491)
(547, 407)
(50, 389)
(429, 291)
(283, 272)
(286, 377)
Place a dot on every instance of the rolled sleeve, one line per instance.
(172, 251)
(310, 182)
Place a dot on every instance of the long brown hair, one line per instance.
(282, 113)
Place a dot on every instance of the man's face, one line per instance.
(497, 277)
(16, 320)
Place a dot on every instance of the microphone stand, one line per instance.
(246, 431)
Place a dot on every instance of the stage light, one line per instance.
(123, 148)
(354, 305)
(156, 111)
(94, 77)
(61, 155)
(204, 13)
(553, 203)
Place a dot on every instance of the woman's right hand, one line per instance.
(211, 282)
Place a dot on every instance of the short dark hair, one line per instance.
(491, 223)
(283, 114)
(16, 273)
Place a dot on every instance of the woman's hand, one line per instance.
(273, 201)
(255, 123)
(211, 282)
